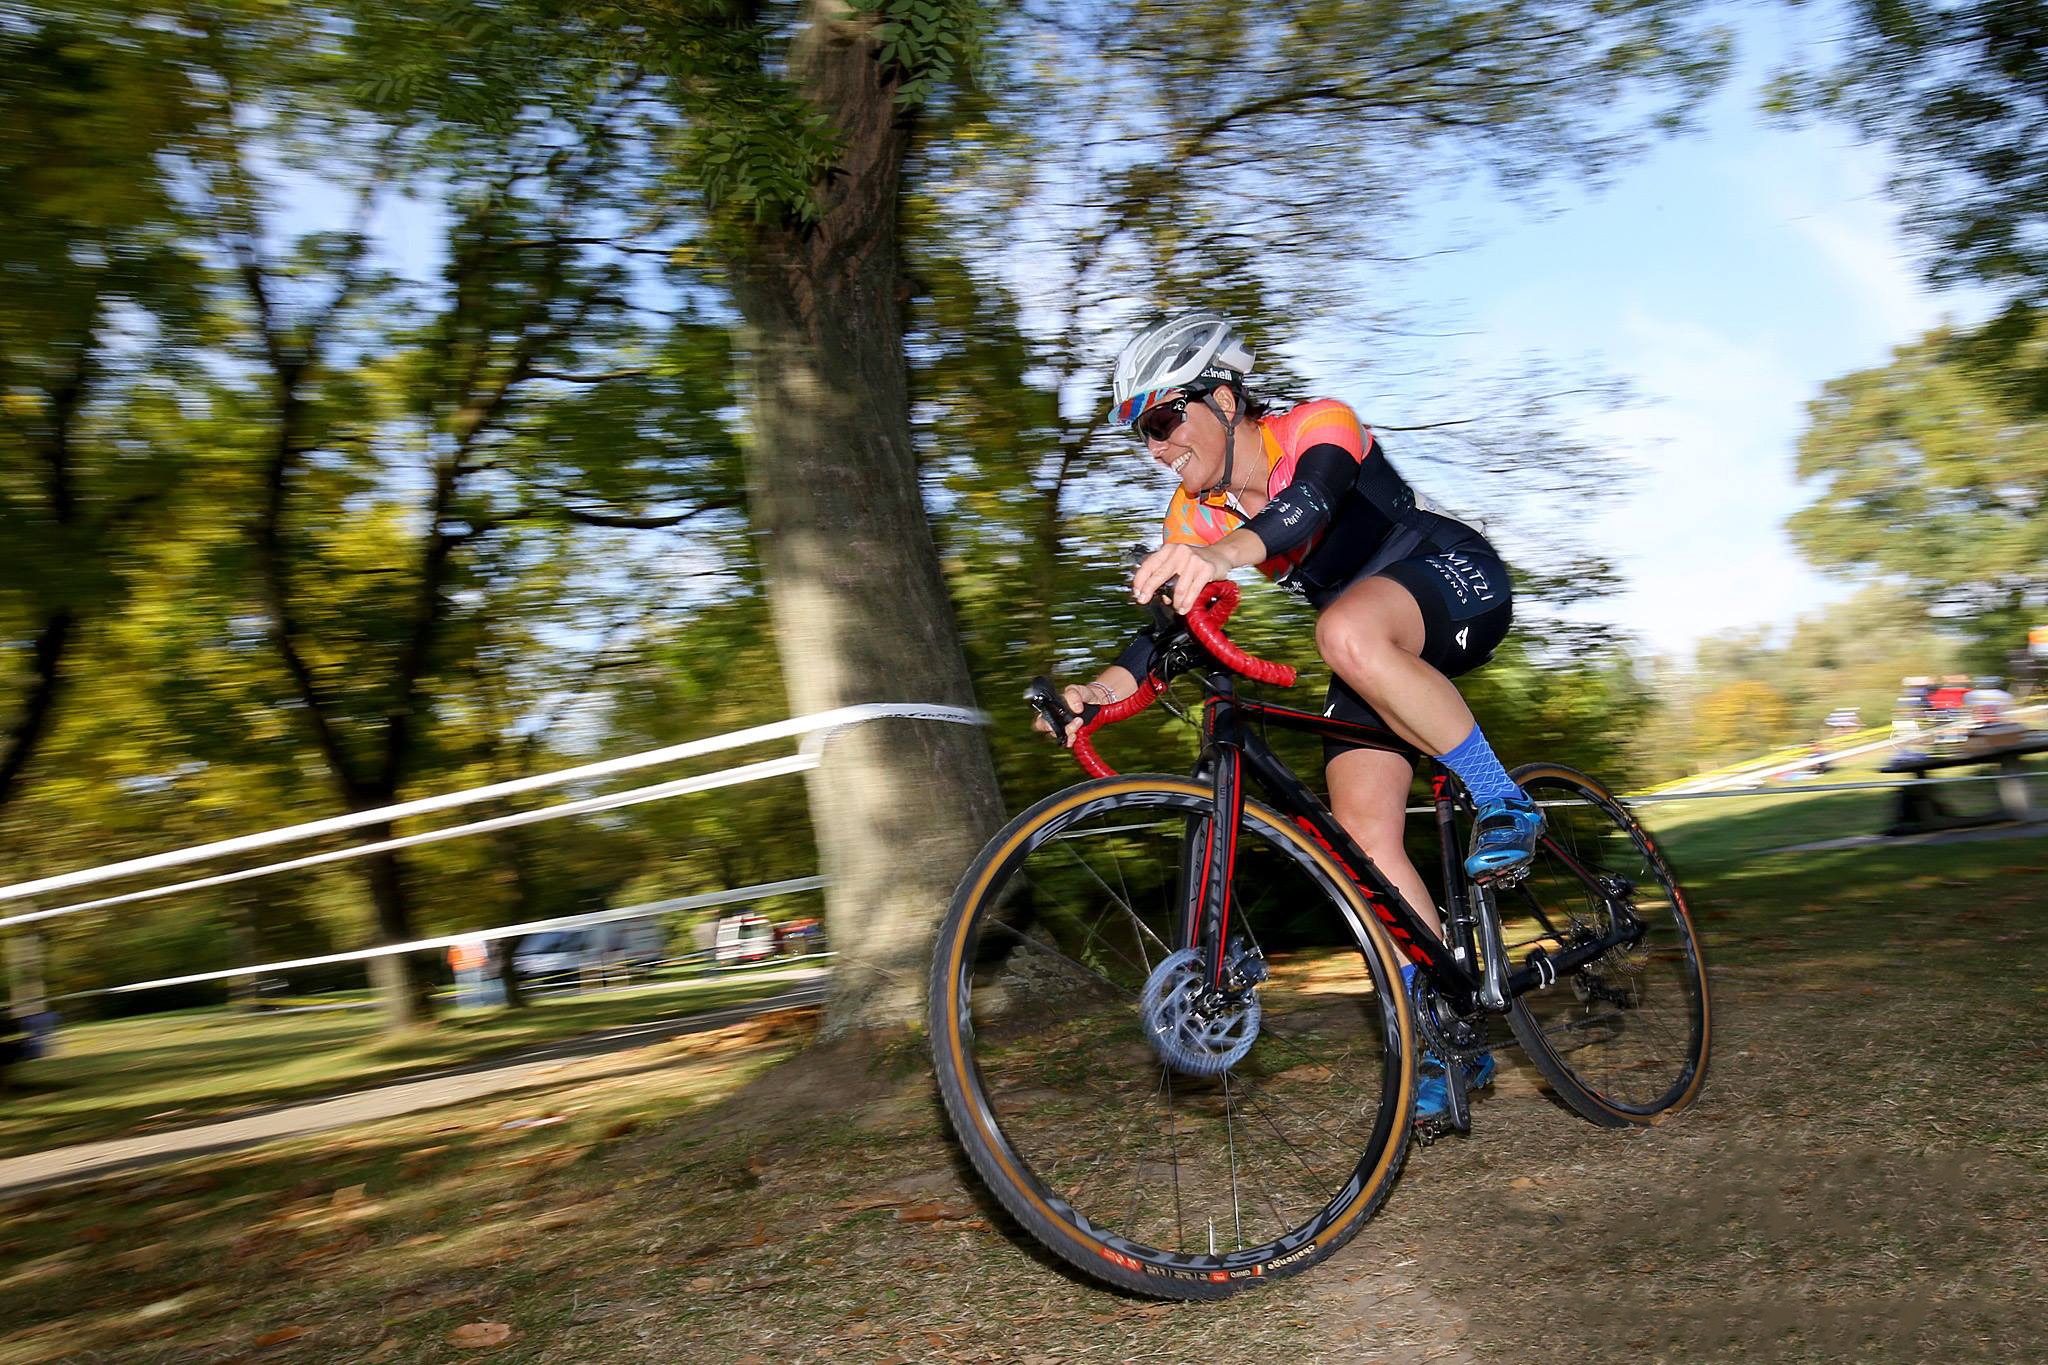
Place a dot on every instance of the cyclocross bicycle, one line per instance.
(1167, 1017)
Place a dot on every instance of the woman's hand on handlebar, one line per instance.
(1193, 567)
(1075, 696)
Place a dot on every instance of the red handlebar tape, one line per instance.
(1217, 601)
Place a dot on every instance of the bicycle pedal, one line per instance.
(1428, 1130)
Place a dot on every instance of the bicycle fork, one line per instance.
(1211, 854)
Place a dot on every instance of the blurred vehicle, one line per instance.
(800, 937)
(746, 937)
(564, 955)
(640, 944)
(558, 953)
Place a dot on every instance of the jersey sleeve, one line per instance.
(1329, 422)
(1294, 515)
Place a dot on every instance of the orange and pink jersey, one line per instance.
(1283, 438)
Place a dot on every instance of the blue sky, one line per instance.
(1726, 277)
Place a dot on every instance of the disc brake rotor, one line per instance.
(1195, 1030)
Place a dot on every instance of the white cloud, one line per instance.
(1860, 242)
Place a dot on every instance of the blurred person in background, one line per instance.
(1987, 703)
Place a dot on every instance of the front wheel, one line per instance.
(1623, 1039)
(1162, 1133)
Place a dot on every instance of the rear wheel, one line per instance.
(1623, 1039)
(1162, 1135)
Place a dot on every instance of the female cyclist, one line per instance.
(1406, 599)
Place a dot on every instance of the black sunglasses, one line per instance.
(1160, 421)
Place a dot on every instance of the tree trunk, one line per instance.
(243, 991)
(402, 991)
(529, 903)
(503, 951)
(26, 992)
(19, 745)
(859, 603)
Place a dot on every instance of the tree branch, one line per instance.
(561, 378)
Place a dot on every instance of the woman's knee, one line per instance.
(1361, 651)
(1370, 825)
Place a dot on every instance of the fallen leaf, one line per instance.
(280, 1337)
(385, 1349)
(1522, 1182)
(556, 1218)
(475, 1336)
(142, 1257)
(871, 1201)
(933, 1213)
(347, 1197)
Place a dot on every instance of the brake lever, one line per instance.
(1161, 605)
(1045, 699)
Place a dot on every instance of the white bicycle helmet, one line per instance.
(1190, 351)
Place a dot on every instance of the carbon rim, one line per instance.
(1630, 1029)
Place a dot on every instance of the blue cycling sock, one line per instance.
(1480, 771)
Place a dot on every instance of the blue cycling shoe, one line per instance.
(1433, 1086)
(1504, 837)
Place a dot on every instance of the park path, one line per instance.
(599, 1054)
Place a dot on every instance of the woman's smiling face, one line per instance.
(1192, 448)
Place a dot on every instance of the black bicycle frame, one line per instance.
(1231, 748)
(1468, 965)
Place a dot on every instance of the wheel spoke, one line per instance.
(1624, 1034)
(1062, 1061)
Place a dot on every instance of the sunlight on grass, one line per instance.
(173, 1070)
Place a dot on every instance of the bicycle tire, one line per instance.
(1025, 1047)
(1624, 1041)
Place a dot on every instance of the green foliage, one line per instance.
(928, 41)
(1930, 475)
(1959, 88)
(456, 581)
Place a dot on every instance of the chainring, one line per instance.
(1440, 1028)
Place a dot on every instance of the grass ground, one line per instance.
(1861, 1181)
(172, 1070)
